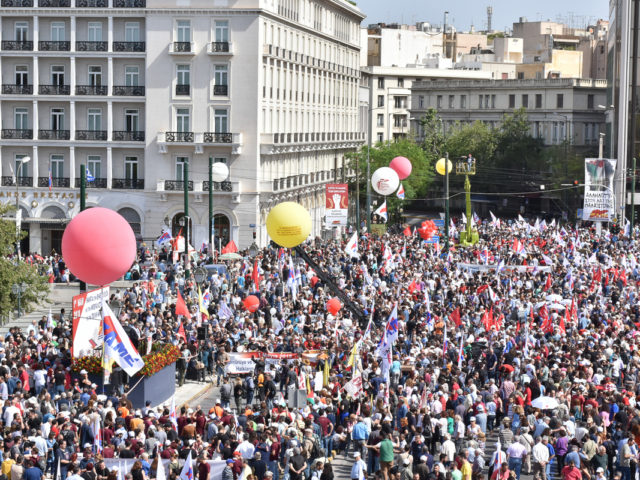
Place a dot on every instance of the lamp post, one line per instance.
(21, 162)
(218, 172)
(185, 179)
(19, 289)
(444, 167)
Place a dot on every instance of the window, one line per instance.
(525, 101)
(131, 168)
(221, 120)
(131, 75)
(222, 31)
(132, 32)
(95, 76)
(22, 75)
(559, 100)
(57, 166)
(399, 102)
(421, 101)
(58, 32)
(486, 101)
(380, 120)
(94, 119)
(463, 101)
(493, 101)
(21, 118)
(480, 101)
(554, 136)
(57, 75)
(221, 75)
(452, 100)
(21, 30)
(183, 120)
(183, 74)
(520, 75)
(95, 32)
(183, 31)
(131, 117)
(381, 82)
(439, 101)
(57, 119)
(590, 100)
(512, 101)
(381, 100)
(21, 167)
(400, 82)
(93, 165)
(538, 100)
(180, 161)
(587, 132)
(381, 137)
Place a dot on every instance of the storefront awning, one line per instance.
(50, 221)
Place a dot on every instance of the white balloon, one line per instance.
(219, 172)
(385, 181)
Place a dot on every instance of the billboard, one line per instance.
(87, 322)
(337, 204)
(599, 202)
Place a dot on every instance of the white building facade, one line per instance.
(135, 91)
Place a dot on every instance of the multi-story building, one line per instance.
(270, 87)
(559, 110)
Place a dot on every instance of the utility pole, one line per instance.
(210, 236)
(633, 195)
(83, 205)
(185, 178)
(446, 202)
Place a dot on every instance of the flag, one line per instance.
(400, 192)
(224, 312)
(464, 218)
(354, 353)
(51, 185)
(407, 231)
(173, 416)
(445, 345)
(89, 175)
(455, 316)
(548, 283)
(164, 237)
(181, 332)
(498, 457)
(392, 325)
(117, 345)
(547, 260)
(203, 309)
(518, 247)
(413, 286)
(51, 323)
(352, 245)
(326, 372)
(461, 353)
(255, 275)
(382, 211)
(58, 474)
(97, 435)
(187, 469)
(160, 473)
(181, 307)
(561, 324)
(230, 248)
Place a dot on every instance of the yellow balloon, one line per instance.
(440, 166)
(288, 224)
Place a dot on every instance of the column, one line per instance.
(109, 166)
(72, 75)
(72, 166)
(35, 238)
(109, 120)
(35, 162)
(72, 38)
(36, 75)
(36, 31)
(110, 74)
(35, 123)
(110, 34)
(72, 120)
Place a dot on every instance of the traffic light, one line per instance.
(576, 183)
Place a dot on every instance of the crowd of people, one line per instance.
(517, 356)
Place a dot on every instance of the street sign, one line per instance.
(439, 223)
(434, 239)
(252, 225)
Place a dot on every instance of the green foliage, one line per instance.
(12, 272)
(434, 140)
(516, 148)
(478, 139)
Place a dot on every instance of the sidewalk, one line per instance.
(188, 393)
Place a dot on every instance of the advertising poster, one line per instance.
(599, 202)
(337, 204)
(87, 322)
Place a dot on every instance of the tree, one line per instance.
(477, 139)
(433, 143)
(12, 271)
(516, 147)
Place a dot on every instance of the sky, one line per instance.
(463, 13)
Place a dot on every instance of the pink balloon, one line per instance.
(98, 246)
(402, 167)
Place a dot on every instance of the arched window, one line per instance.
(221, 229)
(133, 219)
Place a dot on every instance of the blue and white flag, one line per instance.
(90, 177)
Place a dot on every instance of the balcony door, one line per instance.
(22, 75)
(95, 76)
(21, 30)
(132, 32)
(21, 168)
(131, 168)
(93, 165)
(21, 118)
(131, 117)
(94, 119)
(221, 121)
(57, 75)
(57, 166)
(131, 76)
(95, 31)
(183, 120)
(180, 161)
(57, 119)
(58, 32)
(222, 31)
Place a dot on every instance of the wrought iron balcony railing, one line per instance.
(129, 46)
(221, 89)
(128, 136)
(95, 183)
(54, 134)
(217, 186)
(219, 47)
(55, 182)
(26, 45)
(183, 89)
(182, 47)
(128, 183)
(91, 134)
(54, 89)
(51, 46)
(22, 181)
(91, 89)
(17, 133)
(86, 46)
(8, 89)
(177, 185)
(128, 91)
(178, 137)
(214, 137)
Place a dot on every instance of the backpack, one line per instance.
(248, 383)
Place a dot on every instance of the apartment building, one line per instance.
(559, 110)
(136, 91)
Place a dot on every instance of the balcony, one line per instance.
(55, 182)
(51, 46)
(17, 134)
(84, 46)
(221, 90)
(54, 134)
(219, 48)
(128, 183)
(54, 89)
(129, 3)
(8, 89)
(91, 135)
(183, 89)
(174, 137)
(217, 186)
(91, 89)
(128, 91)
(17, 3)
(177, 185)
(181, 47)
(127, 136)
(91, 3)
(54, 3)
(18, 45)
(95, 183)
(214, 137)
(129, 46)
(22, 181)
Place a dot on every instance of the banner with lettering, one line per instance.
(243, 362)
(337, 204)
(599, 201)
(87, 322)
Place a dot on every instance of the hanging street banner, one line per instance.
(599, 202)
(337, 204)
(87, 322)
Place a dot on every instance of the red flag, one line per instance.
(573, 311)
(597, 276)
(181, 332)
(455, 316)
(531, 319)
(561, 324)
(255, 275)
(413, 286)
(499, 321)
(407, 231)
(181, 307)
(548, 283)
(230, 248)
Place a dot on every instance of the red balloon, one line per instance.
(334, 305)
(251, 303)
(98, 246)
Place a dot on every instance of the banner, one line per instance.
(242, 362)
(478, 267)
(337, 204)
(599, 202)
(117, 344)
(123, 466)
(354, 387)
(87, 322)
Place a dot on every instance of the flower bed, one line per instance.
(161, 356)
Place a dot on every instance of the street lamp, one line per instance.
(444, 167)
(200, 275)
(218, 172)
(21, 162)
(253, 250)
(19, 289)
